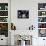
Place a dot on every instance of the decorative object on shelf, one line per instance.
(42, 32)
(6, 7)
(4, 26)
(3, 6)
(43, 13)
(23, 14)
(41, 19)
(31, 27)
(40, 25)
(13, 27)
(3, 13)
(41, 6)
(4, 29)
(3, 19)
(0, 7)
(45, 7)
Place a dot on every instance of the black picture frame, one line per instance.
(23, 14)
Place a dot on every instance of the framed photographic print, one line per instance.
(22, 14)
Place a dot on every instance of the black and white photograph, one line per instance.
(23, 14)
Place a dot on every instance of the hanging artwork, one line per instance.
(23, 14)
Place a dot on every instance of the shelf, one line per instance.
(41, 28)
(41, 10)
(41, 22)
(3, 10)
(3, 16)
(42, 16)
(3, 22)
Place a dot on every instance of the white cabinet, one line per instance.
(41, 41)
(3, 40)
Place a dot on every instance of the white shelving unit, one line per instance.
(4, 23)
(3, 10)
(42, 18)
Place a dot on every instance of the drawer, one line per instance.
(3, 41)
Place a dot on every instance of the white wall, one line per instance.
(23, 24)
(32, 6)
